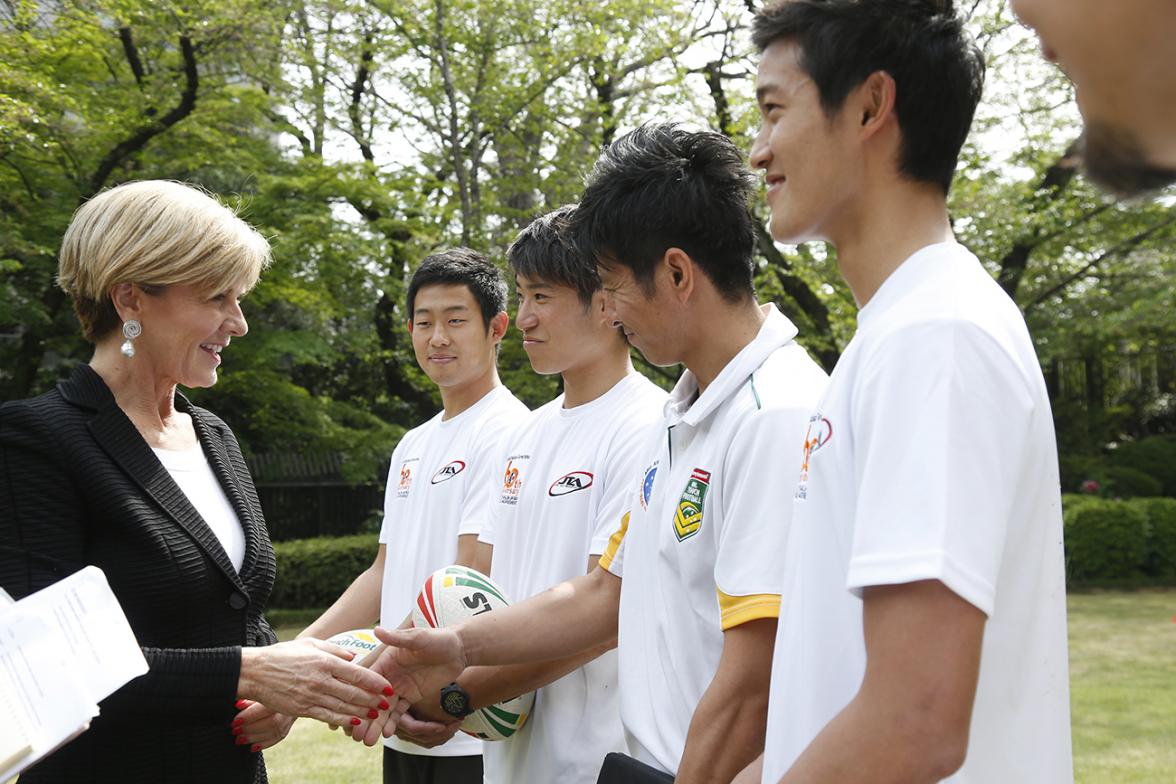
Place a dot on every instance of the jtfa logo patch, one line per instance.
(688, 516)
(570, 483)
(448, 471)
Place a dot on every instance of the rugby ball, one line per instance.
(454, 594)
(360, 641)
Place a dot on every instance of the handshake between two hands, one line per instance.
(393, 690)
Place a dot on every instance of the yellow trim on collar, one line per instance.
(738, 610)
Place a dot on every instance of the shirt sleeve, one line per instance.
(613, 557)
(485, 478)
(387, 526)
(757, 513)
(941, 417)
(627, 457)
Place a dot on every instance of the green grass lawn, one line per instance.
(1123, 700)
(1123, 686)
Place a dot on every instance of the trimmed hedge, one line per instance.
(314, 572)
(1161, 535)
(1105, 540)
(1108, 542)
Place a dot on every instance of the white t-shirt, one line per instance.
(191, 471)
(439, 485)
(702, 547)
(572, 472)
(932, 456)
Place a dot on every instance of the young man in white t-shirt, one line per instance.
(665, 215)
(438, 481)
(922, 631)
(568, 471)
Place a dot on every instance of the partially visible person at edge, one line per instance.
(117, 469)
(922, 632)
(1121, 57)
(440, 485)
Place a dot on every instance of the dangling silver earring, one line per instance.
(131, 330)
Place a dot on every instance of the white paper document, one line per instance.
(62, 650)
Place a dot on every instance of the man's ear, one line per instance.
(408, 323)
(680, 271)
(498, 325)
(874, 99)
(127, 299)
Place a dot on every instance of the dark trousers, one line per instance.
(401, 768)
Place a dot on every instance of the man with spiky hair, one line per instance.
(1120, 57)
(688, 584)
(922, 631)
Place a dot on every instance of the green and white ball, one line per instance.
(454, 594)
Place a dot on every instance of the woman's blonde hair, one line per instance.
(154, 233)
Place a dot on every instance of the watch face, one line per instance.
(454, 701)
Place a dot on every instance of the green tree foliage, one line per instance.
(361, 135)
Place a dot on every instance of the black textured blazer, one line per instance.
(78, 486)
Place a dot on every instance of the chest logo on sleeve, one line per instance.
(405, 483)
(820, 430)
(647, 485)
(570, 483)
(512, 479)
(688, 515)
(448, 471)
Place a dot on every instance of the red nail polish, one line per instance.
(373, 714)
(354, 722)
(256, 747)
(238, 730)
(237, 722)
(388, 691)
(383, 705)
(241, 740)
(242, 704)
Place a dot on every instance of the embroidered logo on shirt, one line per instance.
(820, 430)
(570, 483)
(647, 485)
(688, 516)
(405, 478)
(512, 480)
(448, 471)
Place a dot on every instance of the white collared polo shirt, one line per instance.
(701, 550)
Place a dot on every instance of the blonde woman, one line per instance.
(116, 468)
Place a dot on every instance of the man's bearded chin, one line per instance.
(1114, 160)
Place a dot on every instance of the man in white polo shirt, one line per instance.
(438, 482)
(571, 463)
(922, 630)
(665, 215)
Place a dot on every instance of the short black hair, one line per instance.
(662, 186)
(937, 68)
(545, 251)
(462, 267)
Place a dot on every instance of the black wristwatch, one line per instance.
(455, 701)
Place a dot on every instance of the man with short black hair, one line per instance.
(665, 216)
(922, 631)
(435, 502)
(1120, 57)
(570, 465)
